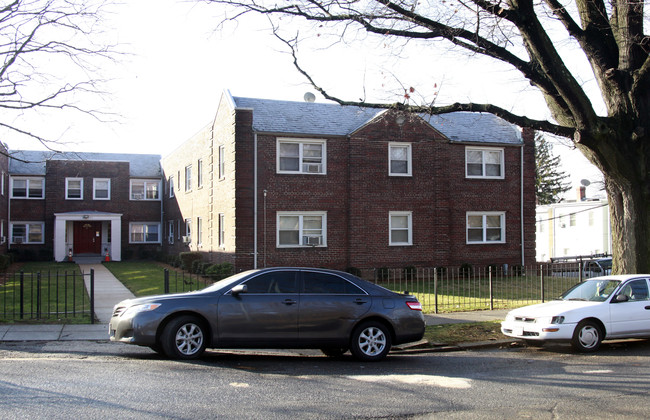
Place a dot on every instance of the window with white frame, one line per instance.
(188, 231)
(301, 156)
(143, 189)
(484, 163)
(27, 233)
(74, 188)
(170, 232)
(171, 186)
(199, 231)
(399, 158)
(222, 162)
(486, 227)
(144, 233)
(222, 229)
(2, 183)
(301, 229)
(27, 187)
(401, 228)
(101, 189)
(199, 173)
(188, 178)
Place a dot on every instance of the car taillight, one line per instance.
(415, 306)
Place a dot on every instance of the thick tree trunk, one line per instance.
(629, 215)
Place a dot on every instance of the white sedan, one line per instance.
(599, 308)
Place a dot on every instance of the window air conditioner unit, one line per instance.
(311, 240)
(18, 239)
(187, 239)
(313, 168)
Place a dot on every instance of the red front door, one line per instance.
(87, 237)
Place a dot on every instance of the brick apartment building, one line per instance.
(271, 183)
(76, 204)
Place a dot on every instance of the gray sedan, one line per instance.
(273, 308)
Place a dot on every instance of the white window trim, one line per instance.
(171, 186)
(222, 162)
(222, 230)
(502, 214)
(81, 188)
(28, 180)
(188, 178)
(188, 229)
(409, 215)
(170, 233)
(301, 214)
(95, 180)
(301, 142)
(199, 231)
(409, 158)
(131, 241)
(27, 225)
(145, 182)
(486, 149)
(199, 173)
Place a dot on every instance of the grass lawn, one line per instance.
(58, 296)
(142, 278)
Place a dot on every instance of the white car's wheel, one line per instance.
(587, 336)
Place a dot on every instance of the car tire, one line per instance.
(334, 351)
(184, 338)
(587, 336)
(370, 341)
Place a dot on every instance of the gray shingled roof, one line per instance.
(30, 162)
(286, 117)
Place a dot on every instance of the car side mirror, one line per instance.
(240, 288)
(621, 298)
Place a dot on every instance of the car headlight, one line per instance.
(550, 320)
(140, 308)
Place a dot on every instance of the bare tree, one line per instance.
(49, 51)
(528, 36)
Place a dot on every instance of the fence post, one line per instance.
(166, 276)
(92, 295)
(435, 290)
(542, 284)
(22, 294)
(38, 295)
(491, 293)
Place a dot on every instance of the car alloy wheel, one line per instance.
(371, 341)
(587, 337)
(184, 338)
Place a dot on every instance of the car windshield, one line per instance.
(591, 290)
(227, 281)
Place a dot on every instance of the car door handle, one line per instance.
(289, 302)
(360, 301)
(648, 308)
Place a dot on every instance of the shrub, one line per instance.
(219, 271)
(518, 270)
(188, 258)
(354, 271)
(383, 273)
(410, 272)
(5, 262)
(466, 270)
(495, 268)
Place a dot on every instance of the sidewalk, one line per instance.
(109, 291)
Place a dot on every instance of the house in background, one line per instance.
(271, 183)
(76, 204)
(573, 228)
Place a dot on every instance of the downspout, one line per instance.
(522, 204)
(254, 200)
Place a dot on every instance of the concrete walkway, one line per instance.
(109, 291)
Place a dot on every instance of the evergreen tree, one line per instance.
(549, 180)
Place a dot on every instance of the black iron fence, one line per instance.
(51, 297)
(446, 289)
(470, 288)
